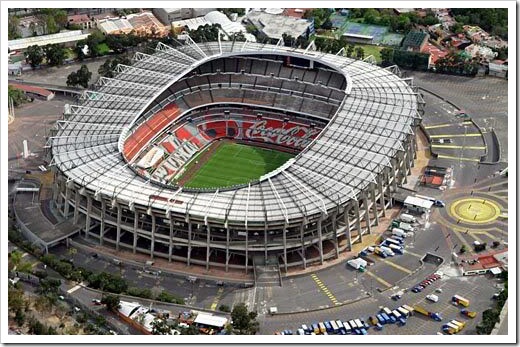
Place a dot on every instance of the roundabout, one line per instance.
(475, 210)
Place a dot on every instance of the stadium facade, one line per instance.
(116, 156)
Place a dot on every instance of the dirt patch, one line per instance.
(201, 160)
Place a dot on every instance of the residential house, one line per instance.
(481, 52)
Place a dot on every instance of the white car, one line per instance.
(432, 297)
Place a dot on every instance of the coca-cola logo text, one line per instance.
(295, 136)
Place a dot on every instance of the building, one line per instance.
(190, 24)
(498, 68)
(169, 15)
(229, 27)
(481, 52)
(295, 12)
(34, 91)
(415, 41)
(143, 24)
(493, 262)
(140, 317)
(67, 38)
(356, 122)
(273, 26)
(82, 21)
(418, 205)
(435, 53)
(210, 321)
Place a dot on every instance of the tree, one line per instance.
(109, 66)
(80, 77)
(224, 308)
(19, 317)
(387, 56)
(112, 302)
(243, 321)
(360, 53)
(15, 299)
(463, 249)
(350, 50)
(15, 256)
(160, 327)
(13, 32)
(18, 98)
(34, 55)
(55, 54)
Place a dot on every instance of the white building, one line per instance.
(481, 51)
(68, 38)
(416, 204)
(274, 26)
(168, 15)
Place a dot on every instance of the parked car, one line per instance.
(432, 297)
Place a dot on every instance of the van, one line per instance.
(76, 309)
(61, 297)
(386, 318)
(396, 249)
(396, 314)
(334, 326)
(306, 328)
(409, 309)
(380, 319)
(322, 327)
(359, 324)
(315, 328)
(387, 311)
(328, 326)
(393, 241)
(340, 325)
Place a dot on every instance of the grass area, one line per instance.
(372, 50)
(103, 48)
(236, 164)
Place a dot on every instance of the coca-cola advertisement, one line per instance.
(290, 134)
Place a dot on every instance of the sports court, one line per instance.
(379, 33)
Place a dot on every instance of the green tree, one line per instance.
(34, 55)
(224, 308)
(80, 77)
(18, 98)
(160, 327)
(112, 302)
(350, 50)
(243, 321)
(360, 53)
(15, 299)
(15, 256)
(13, 32)
(19, 317)
(55, 54)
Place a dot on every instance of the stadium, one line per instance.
(235, 154)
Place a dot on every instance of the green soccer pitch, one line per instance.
(234, 163)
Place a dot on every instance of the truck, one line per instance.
(406, 227)
(433, 315)
(409, 309)
(396, 249)
(449, 328)
(396, 314)
(380, 252)
(461, 325)
(404, 312)
(459, 300)
(358, 264)
(347, 327)
(395, 241)
(399, 232)
(388, 319)
(468, 313)
(407, 218)
(388, 251)
(436, 202)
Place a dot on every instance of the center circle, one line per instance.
(475, 210)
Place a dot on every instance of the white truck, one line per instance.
(407, 218)
(399, 232)
(358, 264)
(406, 227)
(387, 250)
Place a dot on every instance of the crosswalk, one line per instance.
(324, 289)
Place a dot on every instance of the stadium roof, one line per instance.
(367, 131)
(63, 37)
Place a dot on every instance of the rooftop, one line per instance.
(274, 26)
(414, 39)
(65, 36)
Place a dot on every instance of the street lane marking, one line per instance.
(379, 279)
(445, 125)
(324, 289)
(412, 253)
(473, 235)
(455, 135)
(492, 237)
(217, 299)
(463, 240)
(398, 267)
(458, 147)
(73, 289)
(442, 156)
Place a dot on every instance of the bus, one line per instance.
(387, 311)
